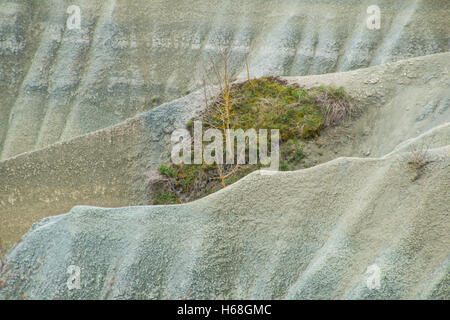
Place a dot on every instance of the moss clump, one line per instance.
(165, 197)
(168, 171)
(189, 177)
(156, 100)
(186, 181)
(292, 154)
(267, 103)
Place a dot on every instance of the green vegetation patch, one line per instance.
(266, 103)
(269, 103)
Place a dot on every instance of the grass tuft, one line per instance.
(417, 159)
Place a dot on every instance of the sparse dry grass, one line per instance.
(334, 104)
(417, 158)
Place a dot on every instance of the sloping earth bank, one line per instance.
(306, 234)
(112, 167)
(131, 55)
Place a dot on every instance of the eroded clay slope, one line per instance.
(131, 55)
(309, 234)
(112, 167)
